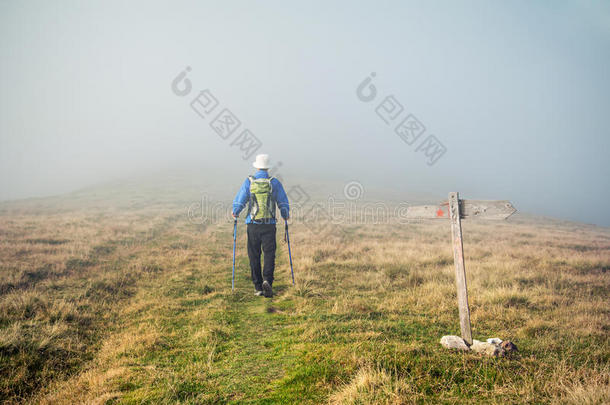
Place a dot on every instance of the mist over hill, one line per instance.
(512, 97)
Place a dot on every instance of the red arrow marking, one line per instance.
(440, 212)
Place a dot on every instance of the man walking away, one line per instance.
(262, 194)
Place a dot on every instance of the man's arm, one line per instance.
(242, 197)
(281, 198)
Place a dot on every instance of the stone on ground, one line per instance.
(486, 348)
(492, 347)
(454, 342)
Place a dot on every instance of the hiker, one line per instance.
(262, 194)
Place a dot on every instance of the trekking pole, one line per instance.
(289, 253)
(234, 237)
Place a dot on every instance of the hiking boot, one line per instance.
(259, 293)
(267, 289)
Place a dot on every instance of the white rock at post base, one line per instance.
(487, 348)
(454, 342)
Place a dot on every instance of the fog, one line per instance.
(516, 92)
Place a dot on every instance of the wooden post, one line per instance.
(460, 270)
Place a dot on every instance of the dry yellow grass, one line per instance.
(134, 305)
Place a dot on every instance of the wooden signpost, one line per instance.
(455, 210)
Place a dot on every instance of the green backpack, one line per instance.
(262, 205)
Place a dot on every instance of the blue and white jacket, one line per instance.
(278, 194)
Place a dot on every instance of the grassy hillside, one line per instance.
(106, 300)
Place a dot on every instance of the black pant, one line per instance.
(261, 235)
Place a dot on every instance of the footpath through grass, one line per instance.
(185, 337)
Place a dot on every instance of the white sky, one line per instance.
(518, 92)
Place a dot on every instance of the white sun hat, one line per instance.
(261, 162)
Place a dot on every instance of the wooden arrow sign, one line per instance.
(455, 210)
(483, 209)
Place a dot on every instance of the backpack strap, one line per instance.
(251, 178)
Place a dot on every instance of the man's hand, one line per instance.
(234, 216)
